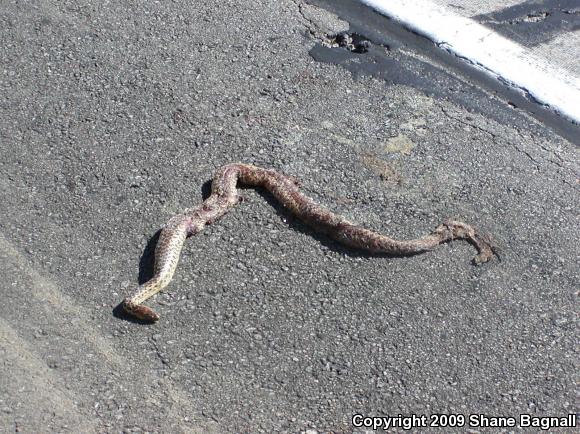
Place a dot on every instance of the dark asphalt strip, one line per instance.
(534, 22)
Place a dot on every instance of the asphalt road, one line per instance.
(114, 116)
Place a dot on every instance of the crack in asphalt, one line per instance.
(537, 163)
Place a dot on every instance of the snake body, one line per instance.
(224, 196)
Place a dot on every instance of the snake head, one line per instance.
(487, 247)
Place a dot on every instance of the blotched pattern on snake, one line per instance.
(224, 195)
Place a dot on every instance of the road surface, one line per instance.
(113, 117)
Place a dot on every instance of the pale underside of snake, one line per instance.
(224, 196)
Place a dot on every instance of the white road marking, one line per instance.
(487, 50)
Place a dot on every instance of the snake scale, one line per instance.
(224, 196)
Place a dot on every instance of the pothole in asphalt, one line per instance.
(351, 41)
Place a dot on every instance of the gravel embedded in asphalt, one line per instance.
(113, 118)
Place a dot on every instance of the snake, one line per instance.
(286, 189)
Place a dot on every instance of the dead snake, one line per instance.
(224, 195)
